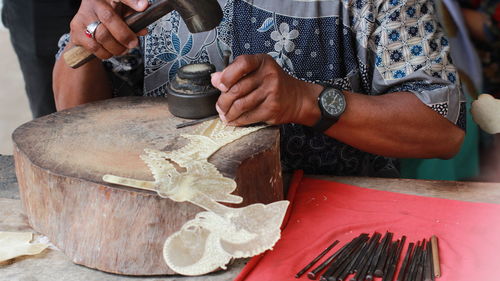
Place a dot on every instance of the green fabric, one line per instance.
(464, 165)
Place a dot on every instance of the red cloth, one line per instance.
(322, 211)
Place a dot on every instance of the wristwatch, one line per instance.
(332, 104)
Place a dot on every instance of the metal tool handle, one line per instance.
(78, 56)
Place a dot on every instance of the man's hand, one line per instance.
(475, 21)
(113, 36)
(255, 89)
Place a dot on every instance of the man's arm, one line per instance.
(475, 22)
(85, 84)
(254, 89)
(90, 82)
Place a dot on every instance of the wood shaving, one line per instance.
(15, 244)
(222, 233)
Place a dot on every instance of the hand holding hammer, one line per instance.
(118, 34)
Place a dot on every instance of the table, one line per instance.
(54, 265)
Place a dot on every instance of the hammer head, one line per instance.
(199, 15)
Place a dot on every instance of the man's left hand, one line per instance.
(256, 89)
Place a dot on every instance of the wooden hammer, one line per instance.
(199, 16)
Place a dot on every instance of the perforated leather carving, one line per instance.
(221, 233)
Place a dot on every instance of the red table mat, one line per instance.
(322, 211)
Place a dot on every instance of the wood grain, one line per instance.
(61, 158)
(463, 191)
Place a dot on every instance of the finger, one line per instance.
(142, 32)
(240, 67)
(138, 5)
(242, 88)
(251, 117)
(117, 5)
(103, 37)
(79, 38)
(215, 80)
(115, 25)
(240, 111)
(127, 12)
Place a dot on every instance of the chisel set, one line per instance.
(366, 258)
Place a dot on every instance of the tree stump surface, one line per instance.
(60, 160)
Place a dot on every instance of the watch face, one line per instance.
(333, 102)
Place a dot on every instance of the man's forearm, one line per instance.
(475, 22)
(394, 125)
(86, 84)
(256, 89)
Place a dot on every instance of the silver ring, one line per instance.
(91, 28)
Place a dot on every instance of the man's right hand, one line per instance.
(113, 36)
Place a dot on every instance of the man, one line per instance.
(354, 84)
(35, 27)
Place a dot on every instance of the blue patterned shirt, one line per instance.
(371, 47)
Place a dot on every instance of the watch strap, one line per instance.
(324, 123)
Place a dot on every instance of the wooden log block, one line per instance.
(61, 158)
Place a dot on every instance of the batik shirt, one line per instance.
(371, 47)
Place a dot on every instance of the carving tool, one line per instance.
(361, 274)
(312, 274)
(429, 274)
(343, 260)
(435, 256)
(391, 254)
(379, 270)
(406, 260)
(420, 266)
(411, 262)
(415, 262)
(356, 266)
(316, 259)
(391, 270)
(351, 265)
(378, 253)
(195, 122)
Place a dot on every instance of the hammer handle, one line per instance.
(78, 56)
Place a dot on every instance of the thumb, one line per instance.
(217, 83)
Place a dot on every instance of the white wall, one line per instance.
(14, 109)
(1, 25)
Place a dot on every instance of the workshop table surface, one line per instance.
(54, 265)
